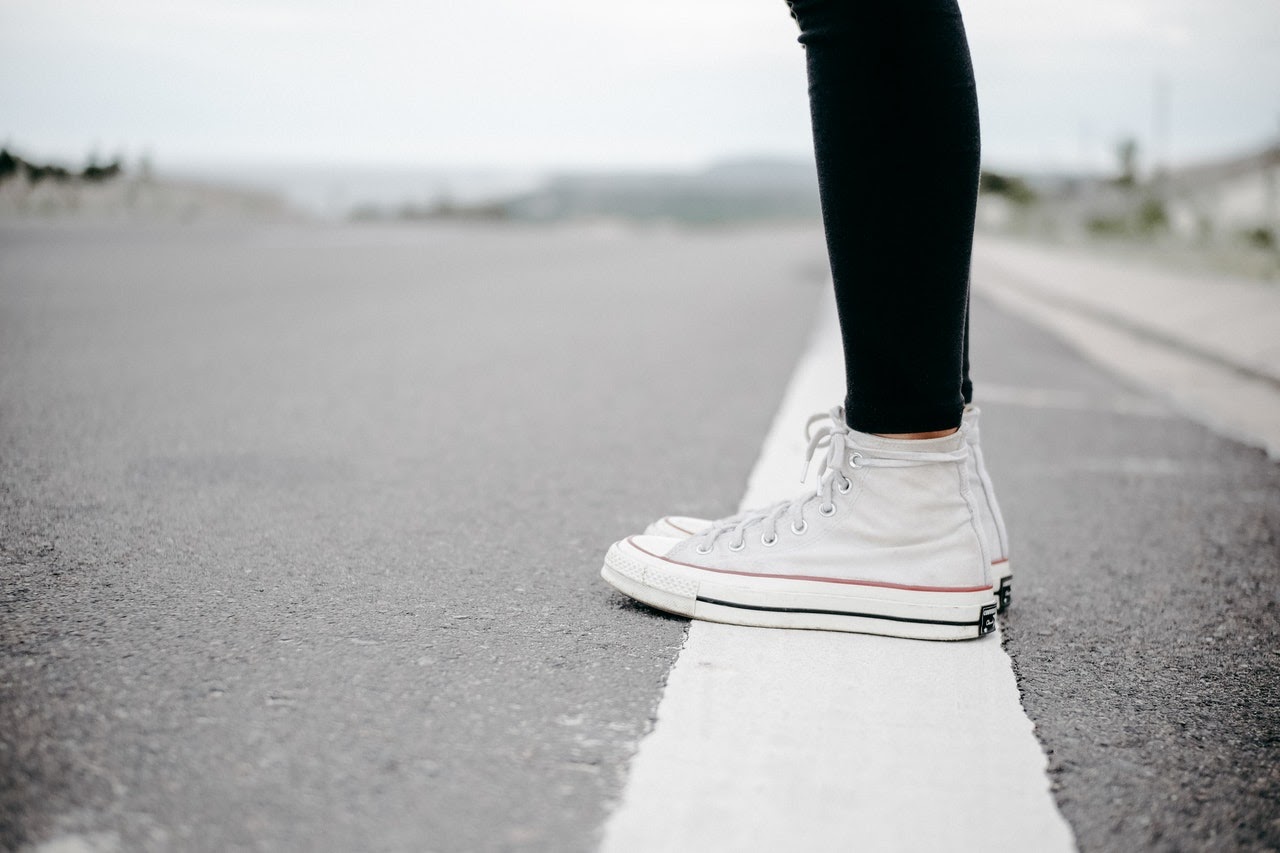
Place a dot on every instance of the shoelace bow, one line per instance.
(835, 437)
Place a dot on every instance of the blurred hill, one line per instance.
(732, 191)
(743, 190)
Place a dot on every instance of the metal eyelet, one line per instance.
(703, 551)
(770, 541)
(738, 546)
(804, 525)
(853, 460)
(826, 510)
(845, 485)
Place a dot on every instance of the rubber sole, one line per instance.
(1002, 589)
(789, 603)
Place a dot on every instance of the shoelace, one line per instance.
(835, 437)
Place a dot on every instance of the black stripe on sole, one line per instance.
(1005, 594)
(985, 623)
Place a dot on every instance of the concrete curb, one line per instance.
(1231, 321)
(1208, 344)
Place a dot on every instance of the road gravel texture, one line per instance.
(1146, 627)
(300, 527)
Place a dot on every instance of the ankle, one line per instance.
(919, 436)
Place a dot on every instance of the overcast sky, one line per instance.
(592, 83)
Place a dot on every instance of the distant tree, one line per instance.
(1152, 216)
(1260, 237)
(12, 165)
(9, 165)
(1010, 186)
(94, 173)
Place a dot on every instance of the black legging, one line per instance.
(895, 129)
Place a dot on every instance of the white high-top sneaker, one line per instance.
(888, 543)
(680, 526)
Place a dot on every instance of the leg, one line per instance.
(966, 384)
(890, 541)
(895, 125)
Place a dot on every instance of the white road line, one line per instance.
(815, 741)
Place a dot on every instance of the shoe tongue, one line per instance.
(945, 444)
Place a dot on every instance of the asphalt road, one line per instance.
(1146, 631)
(300, 527)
